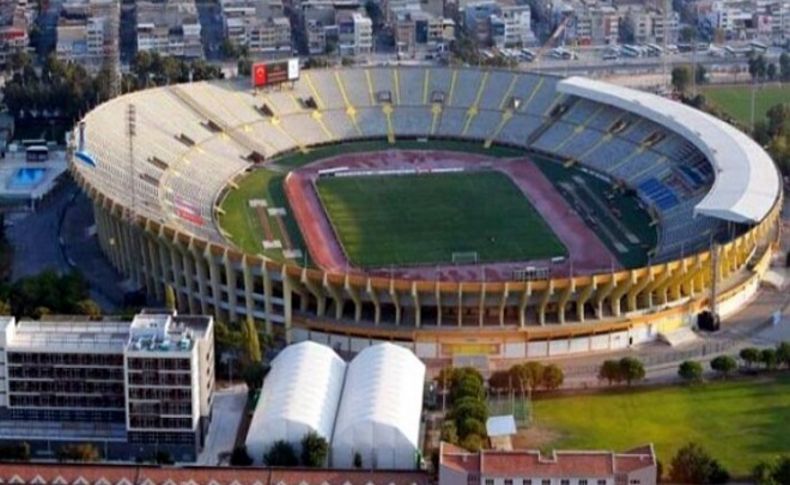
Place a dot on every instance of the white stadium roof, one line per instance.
(300, 394)
(379, 415)
(747, 183)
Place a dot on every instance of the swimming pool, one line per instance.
(26, 178)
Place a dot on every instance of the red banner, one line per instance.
(259, 75)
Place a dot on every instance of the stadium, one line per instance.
(455, 211)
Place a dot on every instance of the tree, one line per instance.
(170, 298)
(251, 341)
(472, 442)
(240, 457)
(758, 67)
(771, 71)
(314, 450)
(750, 355)
(783, 354)
(692, 464)
(529, 375)
(281, 453)
(784, 67)
(90, 308)
(470, 426)
(724, 365)
(768, 358)
(552, 377)
(690, 371)
(700, 74)
(15, 452)
(79, 452)
(631, 370)
(681, 78)
(610, 372)
(449, 433)
(5, 308)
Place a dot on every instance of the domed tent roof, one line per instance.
(379, 415)
(300, 394)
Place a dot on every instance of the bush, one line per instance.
(281, 453)
(472, 442)
(15, 452)
(240, 457)
(78, 452)
(314, 450)
(723, 364)
(690, 371)
(692, 464)
(750, 355)
(552, 377)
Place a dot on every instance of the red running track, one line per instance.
(587, 252)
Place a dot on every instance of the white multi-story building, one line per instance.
(171, 27)
(87, 31)
(354, 34)
(259, 25)
(131, 388)
(648, 25)
(518, 25)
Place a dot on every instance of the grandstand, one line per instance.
(160, 208)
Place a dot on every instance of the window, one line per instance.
(582, 482)
(565, 482)
(635, 481)
(489, 481)
(545, 481)
(508, 481)
(601, 482)
(526, 481)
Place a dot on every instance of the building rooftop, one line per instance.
(69, 335)
(586, 464)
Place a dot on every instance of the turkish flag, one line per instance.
(259, 75)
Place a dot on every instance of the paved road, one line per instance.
(59, 237)
(228, 408)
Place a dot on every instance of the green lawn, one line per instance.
(241, 221)
(424, 219)
(740, 423)
(737, 100)
(294, 160)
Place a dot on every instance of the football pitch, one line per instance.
(425, 219)
(739, 422)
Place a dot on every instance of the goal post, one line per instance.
(464, 257)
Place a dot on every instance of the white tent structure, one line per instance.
(379, 415)
(300, 394)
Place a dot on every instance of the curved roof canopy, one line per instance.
(300, 394)
(747, 183)
(379, 415)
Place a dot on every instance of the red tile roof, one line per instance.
(496, 463)
(101, 474)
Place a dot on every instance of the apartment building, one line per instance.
(131, 388)
(87, 31)
(652, 25)
(458, 466)
(354, 34)
(16, 17)
(500, 24)
(169, 27)
(260, 25)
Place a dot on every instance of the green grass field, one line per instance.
(424, 219)
(294, 160)
(737, 100)
(241, 221)
(740, 423)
